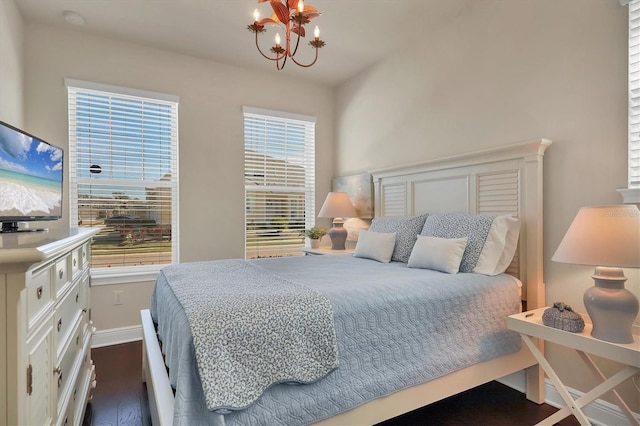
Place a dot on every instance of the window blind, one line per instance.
(279, 170)
(634, 94)
(123, 174)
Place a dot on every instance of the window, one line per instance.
(279, 178)
(634, 94)
(123, 147)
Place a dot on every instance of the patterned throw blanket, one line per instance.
(252, 329)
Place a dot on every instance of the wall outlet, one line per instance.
(117, 297)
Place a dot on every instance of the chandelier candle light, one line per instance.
(292, 16)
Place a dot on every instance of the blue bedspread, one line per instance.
(395, 327)
(252, 329)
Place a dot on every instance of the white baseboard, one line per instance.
(599, 412)
(116, 336)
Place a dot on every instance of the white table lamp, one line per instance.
(337, 205)
(607, 237)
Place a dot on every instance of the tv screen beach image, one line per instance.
(30, 176)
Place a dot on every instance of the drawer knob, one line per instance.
(59, 324)
(56, 370)
(60, 273)
(60, 380)
(39, 292)
(77, 340)
(75, 262)
(77, 297)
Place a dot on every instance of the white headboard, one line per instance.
(505, 180)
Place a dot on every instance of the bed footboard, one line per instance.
(154, 374)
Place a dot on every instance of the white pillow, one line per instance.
(440, 254)
(375, 245)
(499, 247)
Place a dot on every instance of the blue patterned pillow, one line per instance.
(406, 230)
(474, 227)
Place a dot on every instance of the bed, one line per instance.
(383, 369)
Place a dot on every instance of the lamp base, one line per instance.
(612, 307)
(338, 235)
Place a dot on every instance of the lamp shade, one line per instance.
(337, 204)
(602, 236)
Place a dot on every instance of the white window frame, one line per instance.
(252, 114)
(631, 194)
(124, 274)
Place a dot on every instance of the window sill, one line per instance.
(630, 195)
(109, 276)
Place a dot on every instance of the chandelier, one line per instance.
(291, 16)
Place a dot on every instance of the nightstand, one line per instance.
(529, 324)
(325, 250)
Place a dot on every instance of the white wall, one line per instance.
(506, 72)
(211, 152)
(11, 64)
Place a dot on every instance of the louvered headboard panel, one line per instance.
(499, 194)
(395, 199)
(498, 181)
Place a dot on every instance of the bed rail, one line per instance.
(154, 374)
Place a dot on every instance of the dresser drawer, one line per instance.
(80, 259)
(83, 303)
(39, 297)
(66, 375)
(61, 274)
(82, 390)
(76, 261)
(67, 418)
(84, 292)
(86, 252)
(66, 315)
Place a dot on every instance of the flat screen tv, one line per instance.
(30, 179)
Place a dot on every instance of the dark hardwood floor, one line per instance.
(121, 399)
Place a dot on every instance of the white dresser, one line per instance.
(46, 371)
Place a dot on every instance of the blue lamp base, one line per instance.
(612, 307)
(338, 235)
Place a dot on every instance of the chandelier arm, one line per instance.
(280, 67)
(297, 43)
(277, 58)
(308, 65)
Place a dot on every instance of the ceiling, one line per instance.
(358, 33)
